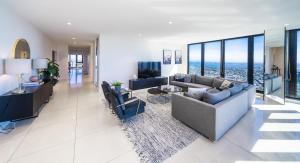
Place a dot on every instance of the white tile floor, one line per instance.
(76, 126)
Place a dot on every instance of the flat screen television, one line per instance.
(149, 69)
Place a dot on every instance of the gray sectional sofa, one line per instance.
(212, 120)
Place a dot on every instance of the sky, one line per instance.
(236, 51)
(213, 51)
(195, 52)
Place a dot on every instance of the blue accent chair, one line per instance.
(106, 88)
(126, 109)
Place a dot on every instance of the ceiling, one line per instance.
(191, 19)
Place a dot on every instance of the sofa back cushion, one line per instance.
(217, 82)
(214, 96)
(235, 89)
(204, 80)
(196, 93)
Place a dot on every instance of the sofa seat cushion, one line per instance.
(196, 93)
(214, 96)
(194, 85)
(179, 84)
(204, 80)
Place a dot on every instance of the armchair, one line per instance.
(106, 88)
(126, 109)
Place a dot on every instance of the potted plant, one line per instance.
(117, 86)
(51, 73)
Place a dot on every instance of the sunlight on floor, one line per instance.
(76, 76)
(288, 127)
(287, 107)
(284, 116)
(277, 146)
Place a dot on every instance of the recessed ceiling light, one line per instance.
(73, 38)
(286, 24)
(69, 23)
(170, 22)
(140, 35)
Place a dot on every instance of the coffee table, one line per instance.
(162, 92)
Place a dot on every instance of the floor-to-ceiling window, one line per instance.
(239, 59)
(258, 62)
(194, 59)
(236, 59)
(298, 64)
(212, 58)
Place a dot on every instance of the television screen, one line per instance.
(149, 69)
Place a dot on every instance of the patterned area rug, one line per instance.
(156, 135)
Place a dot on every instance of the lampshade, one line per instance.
(17, 66)
(40, 63)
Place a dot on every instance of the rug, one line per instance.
(156, 135)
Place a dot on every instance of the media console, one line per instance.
(136, 84)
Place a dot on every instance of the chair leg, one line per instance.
(5, 129)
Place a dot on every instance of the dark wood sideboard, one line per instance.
(15, 107)
(136, 84)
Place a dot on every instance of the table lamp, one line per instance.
(18, 67)
(40, 65)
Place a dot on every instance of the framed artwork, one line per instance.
(167, 56)
(178, 56)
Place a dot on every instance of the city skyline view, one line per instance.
(236, 59)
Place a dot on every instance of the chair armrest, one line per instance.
(131, 101)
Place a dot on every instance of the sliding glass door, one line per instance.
(293, 65)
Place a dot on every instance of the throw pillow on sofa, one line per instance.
(196, 93)
(217, 82)
(204, 80)
(179, 77)
(214, 96)
(188, 78)
(235, 89)
(225, 85)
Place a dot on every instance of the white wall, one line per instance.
(62, 59)
(13, 28)
(119, 55)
